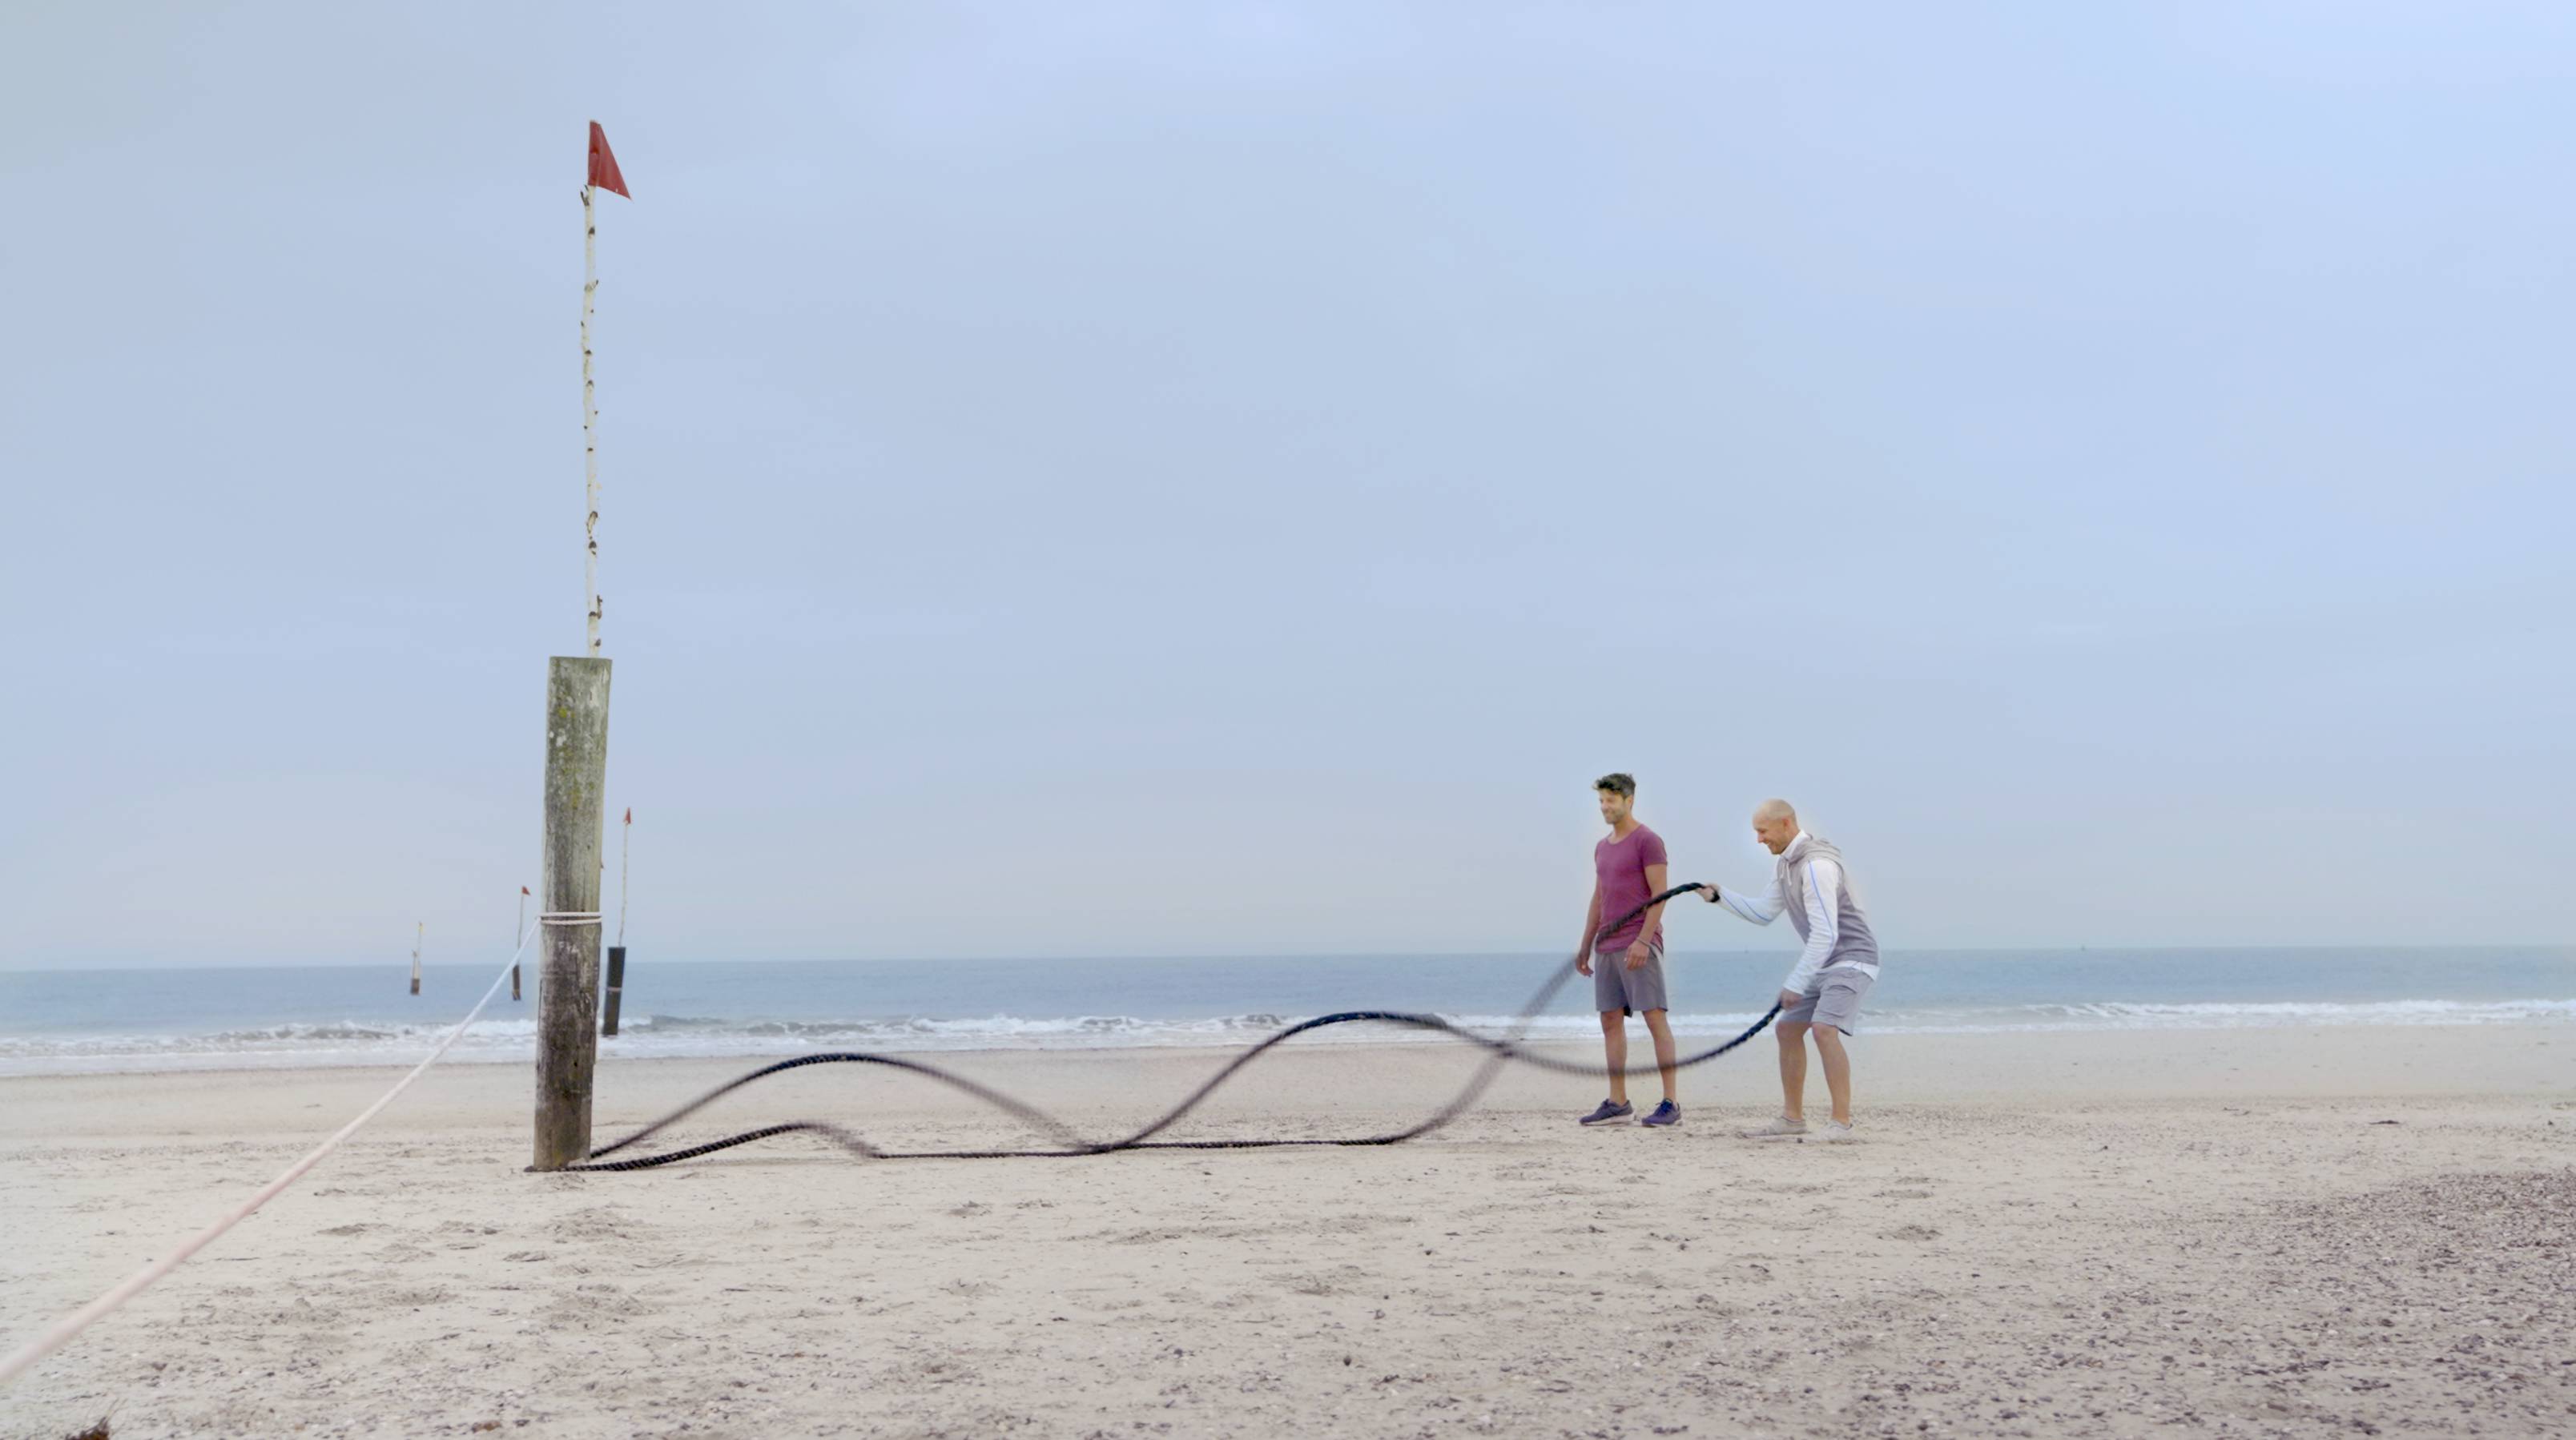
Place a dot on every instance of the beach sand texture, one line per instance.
(2166, 1234)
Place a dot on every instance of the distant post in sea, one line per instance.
(576, 784)
(617, 952)
(514, 940)
(417, 936)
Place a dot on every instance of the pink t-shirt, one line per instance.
(1621, 866)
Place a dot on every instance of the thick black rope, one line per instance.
(1499, 1051)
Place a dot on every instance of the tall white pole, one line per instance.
(589, 420)
(417, 937)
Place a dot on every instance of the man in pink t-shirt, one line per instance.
(1627, 965)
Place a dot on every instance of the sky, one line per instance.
(1131, 479)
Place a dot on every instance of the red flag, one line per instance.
(630, 810)
(523, 889)
(603, 163)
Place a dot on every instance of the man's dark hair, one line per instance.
(1618, 783)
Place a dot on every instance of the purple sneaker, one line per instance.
(1608, 1112)
(1667, 1113)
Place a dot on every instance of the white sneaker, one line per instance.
(1835, 1132)
(1780, 1128)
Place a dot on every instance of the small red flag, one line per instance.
(603, 163)
(630, 814)
(523, 889)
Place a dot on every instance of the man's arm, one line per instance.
(1642, 948)
(1824, 889)
(1591, 930)
(1760, 911)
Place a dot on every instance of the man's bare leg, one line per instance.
(1793, 1068)
(1664, 1056)
(1829, 1044)
(1614, 1049)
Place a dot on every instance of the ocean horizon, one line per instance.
(257, 1017)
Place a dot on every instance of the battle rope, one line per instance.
(1499, 1051)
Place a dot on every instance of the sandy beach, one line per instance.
(2366, 1230)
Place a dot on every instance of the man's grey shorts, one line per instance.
(1630, 992)
(1835, 1001)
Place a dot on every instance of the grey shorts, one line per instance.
(1835, 1001)
(1630, 992)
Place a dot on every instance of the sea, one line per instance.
(97, 1021)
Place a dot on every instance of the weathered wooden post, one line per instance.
(417, 936)
(576, 786)
(568, 967)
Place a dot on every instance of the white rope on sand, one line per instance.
(81, 1319)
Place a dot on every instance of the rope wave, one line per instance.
(1500, 1051)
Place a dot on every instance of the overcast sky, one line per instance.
(1200, 479)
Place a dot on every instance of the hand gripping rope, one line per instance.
(1067, 1143)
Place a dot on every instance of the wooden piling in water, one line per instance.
(516, 940)
(616, 983)
(617, 952)
(568, 974)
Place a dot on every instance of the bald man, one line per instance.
(1835, 968)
